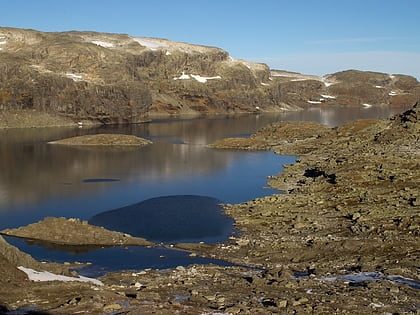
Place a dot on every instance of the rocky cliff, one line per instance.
(116, 78)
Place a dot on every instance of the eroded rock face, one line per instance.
(116, 78)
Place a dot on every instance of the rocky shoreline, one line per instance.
(342, 238)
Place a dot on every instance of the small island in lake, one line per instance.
(104, 140)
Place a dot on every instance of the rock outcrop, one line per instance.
(72, 231)
(116, 78)
(107, 140)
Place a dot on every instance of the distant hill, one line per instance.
(117, 78)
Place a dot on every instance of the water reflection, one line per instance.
(39, 180)
(35, 175)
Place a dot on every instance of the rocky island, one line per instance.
(103, 140)
(342, 238)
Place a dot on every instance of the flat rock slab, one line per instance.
(104, 140)
(73, 232)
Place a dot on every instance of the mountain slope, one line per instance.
(116, 78)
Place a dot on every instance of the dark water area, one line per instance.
(38, 179)
(102, 260)
(173, 219)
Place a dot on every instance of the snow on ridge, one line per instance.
(2, 42)
(314, 102)
(392, 93)
(204, 79)
(183, 76)
(149, 43)
(328, 96)
(73, 76)
(366, 105)
(34, 275)
(379, 86)
(102, 44)
(198, 78)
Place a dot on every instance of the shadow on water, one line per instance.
(170, 219)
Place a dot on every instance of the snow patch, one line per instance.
(392, 93)
(328, 96)
(274, 74)
(366, 105)
(48, 276)
(3, 42)
(262, 83)
(379, 86)
(149, 43)
(168, 53)
(204, 79)
(102, 44)
(183, 76)
(73, 76)
(198, 78)
(315, 102)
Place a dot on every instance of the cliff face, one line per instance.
(115, 78)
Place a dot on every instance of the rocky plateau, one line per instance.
(50, 79)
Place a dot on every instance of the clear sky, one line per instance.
(307, 36)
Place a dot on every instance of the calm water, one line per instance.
(39, 180)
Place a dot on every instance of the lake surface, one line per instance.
(38, 179)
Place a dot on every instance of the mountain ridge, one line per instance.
(118, 78)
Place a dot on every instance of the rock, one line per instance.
(103, 140)
(112, 307)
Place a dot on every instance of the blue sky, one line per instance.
(307, 36)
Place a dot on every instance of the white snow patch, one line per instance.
(149, 43)
(102, 44)
(204, 79)
(274, 74)
(379, 86)
(199, 78)
(73, 76)
(299, 79)
(392, 93)
(168, 53)
(328, 96)
(3, 42)
(262, 83)
(48, 276)
(183, 76)
(392, 76)
(314, 102)
(366, 105)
